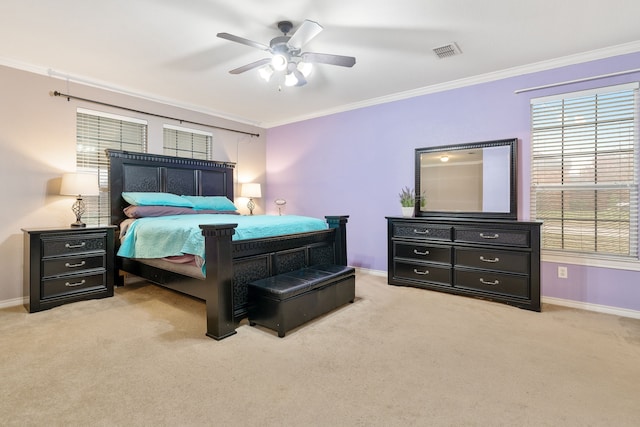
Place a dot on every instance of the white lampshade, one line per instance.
(79, 184)
(279, 62)
(266, 72)
(251, 190)
(290, 80)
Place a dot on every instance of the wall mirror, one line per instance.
(475, 180)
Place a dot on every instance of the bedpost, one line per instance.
(219, 279)
(340, 245)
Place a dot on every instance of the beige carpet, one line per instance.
(396, 357)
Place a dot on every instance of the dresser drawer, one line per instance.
(492, 236)
(508, 261)
(423, 252)
(423, 272)
(73, 243)
(73, 284)
(419, 230)
(493, 283)
(72, 264)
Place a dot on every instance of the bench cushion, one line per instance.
(288, 285)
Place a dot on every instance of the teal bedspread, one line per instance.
(159, 237)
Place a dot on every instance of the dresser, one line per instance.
(63, 265)
(497, 260)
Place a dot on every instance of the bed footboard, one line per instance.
(232, 265)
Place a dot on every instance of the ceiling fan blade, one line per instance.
(244, 41)
(251, 66)
(303, 35)
(325, 58)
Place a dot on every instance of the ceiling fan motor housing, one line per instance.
(285, 27)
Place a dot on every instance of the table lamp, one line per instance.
(251, 190)
(79, 184)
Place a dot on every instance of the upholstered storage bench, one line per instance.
(286, 301)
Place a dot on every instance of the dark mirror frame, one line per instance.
(513, 176)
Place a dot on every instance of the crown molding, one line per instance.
(99, 84)
(441, 87)
(470, 81)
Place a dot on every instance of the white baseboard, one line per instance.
(13, 302)
(623, 312)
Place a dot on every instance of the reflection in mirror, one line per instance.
(476, 180)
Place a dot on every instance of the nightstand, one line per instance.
(63, 265)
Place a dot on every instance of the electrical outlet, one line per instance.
(562, 272)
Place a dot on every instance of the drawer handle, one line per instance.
(416, 231)
(417, 252)
(486, 236)
(496, 259)
(484, 282)
(80, 283)
(80, 264)
(68, 246)
(422, 273)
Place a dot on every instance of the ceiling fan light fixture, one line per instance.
(266, 72)
(305, 68)
(290, 80)
(279, 62)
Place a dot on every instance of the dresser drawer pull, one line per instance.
(422, 273)
(487, 236)
(496, 259)
(68, 246)
(71, 285)
(80, 264)
(417, 252)
(484, 282)
(416, 231)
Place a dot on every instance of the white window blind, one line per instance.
(584, 182)
(190, 143)
(96, 132)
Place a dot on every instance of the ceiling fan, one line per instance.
(287, 56)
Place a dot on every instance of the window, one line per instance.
(190, 143)
(584, 171)
(95, 132)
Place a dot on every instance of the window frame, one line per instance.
(192, 134)
(98, 208)
(591, 258)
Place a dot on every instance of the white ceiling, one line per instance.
(167, 50)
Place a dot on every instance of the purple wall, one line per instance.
(356, 162)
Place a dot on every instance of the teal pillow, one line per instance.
(155, 199)
(212, 203)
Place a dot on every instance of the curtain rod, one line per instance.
(70, 97)
(586, 79)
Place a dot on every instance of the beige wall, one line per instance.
(37, 144)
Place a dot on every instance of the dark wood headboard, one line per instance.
(156, 173)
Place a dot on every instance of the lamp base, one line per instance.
(251, 205)
(78, 209)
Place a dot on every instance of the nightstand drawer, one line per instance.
(74, 284)
(68, 265)
(73, 243)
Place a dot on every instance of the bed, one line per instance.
(230, 264)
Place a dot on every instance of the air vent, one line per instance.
(446, 51)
